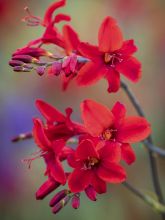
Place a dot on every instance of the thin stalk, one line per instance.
(152, 159)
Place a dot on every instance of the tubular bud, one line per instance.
(76, 201)
(91, 193)
(58, 197)
(61, 204)
(46, 188)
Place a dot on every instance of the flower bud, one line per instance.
(69, 65)
(58, 197)
(14, 63)
(24, 58)
(21, 69)
(76, 201)
(60, 204)
(91, 193)
(46, 188)
(31, 51)
(55, 68)
(40, 70)
(21, 137)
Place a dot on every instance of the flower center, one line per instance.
(112, 58)
(109, 134)
(90, 163)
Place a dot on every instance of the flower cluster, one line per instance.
(100, 143)
(78, 60)
(81, 157)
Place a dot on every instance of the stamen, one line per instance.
(35, 155)
(30, 19)
(107, 57)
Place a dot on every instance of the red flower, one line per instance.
(114, 126)
(51, 138)
(51, 34)
(95, 166)
(51, 152)
(111, 57)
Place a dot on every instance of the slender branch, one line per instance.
(154, 148)
(153, 164)
(147, 199)
(134, 190)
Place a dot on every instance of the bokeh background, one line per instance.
(139, 19)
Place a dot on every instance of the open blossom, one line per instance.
(112, 57)
(51, 34)
(95, 166)
(52, 136)
(114, 126)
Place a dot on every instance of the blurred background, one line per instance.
(140, 20)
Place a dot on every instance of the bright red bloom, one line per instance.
(114, 126)
(95, 166)
(111, 57)
(51, 138)
(50, 151)
(51, 34)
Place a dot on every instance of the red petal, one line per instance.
(113, 78)
(130, 68)
(61, 17)
(119, 111)
(110, 152)
(66, 152)
(57, 146)
(128, 48)
(79, 179)
(85, 150)
(72, 162)
(89, 51)
(50, 113)
(52, 35)
(40, 136)
(57, 171)
(96, 117)
(112, 173)
(90, 73)
(110, 36)
(98, 184)
(49, 12)
(133, 129)
(71, 39)
(127, 153)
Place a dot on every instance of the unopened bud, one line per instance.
(21, 69)
(14, 63)
(91, 193)
(58, 197)
(21, 137)
(56, 68)
(46, 188)
(60, 204)
(76, 201)
(41, 70)
(25, 58)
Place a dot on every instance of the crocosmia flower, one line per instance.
(95, 166)
(112, 57)
(114, 126)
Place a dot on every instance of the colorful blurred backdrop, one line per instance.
(142, 20)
